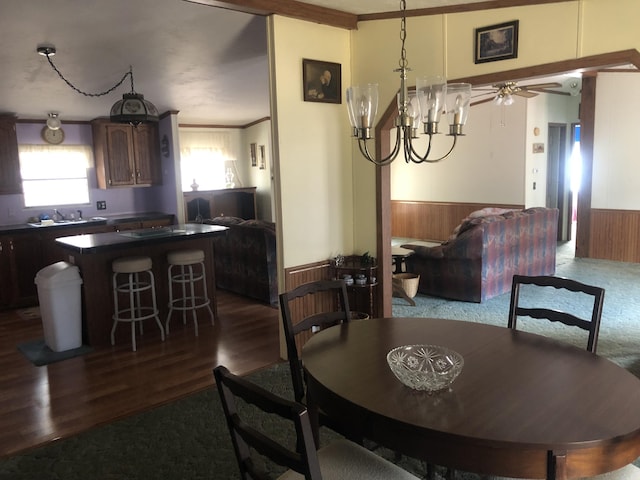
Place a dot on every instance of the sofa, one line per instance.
(245, 258)
(483, 253)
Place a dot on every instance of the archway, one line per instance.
(588, 66)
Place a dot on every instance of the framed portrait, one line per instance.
(497, 42)
(254, 154)
(538, 148)
(321, 81)
(262, 164)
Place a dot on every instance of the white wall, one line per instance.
(616, 183)
(486, 166)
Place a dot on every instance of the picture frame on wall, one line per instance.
(262, 164)
(496, 42)
(321, 81)
(253, 154)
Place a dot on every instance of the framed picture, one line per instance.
(321, 81)
(538, 148)
(253, 153)
(262, 158)
(497, 42)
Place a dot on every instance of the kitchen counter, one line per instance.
(94, 253)
(109, 241)
(62, 227)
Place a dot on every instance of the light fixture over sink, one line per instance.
(132, 109)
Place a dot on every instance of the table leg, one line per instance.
(556, 465)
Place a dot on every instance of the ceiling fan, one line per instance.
(502, 93)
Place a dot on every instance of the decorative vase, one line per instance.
(194, 185)
(228, 178)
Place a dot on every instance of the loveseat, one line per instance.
(480, 258)
(245, 258)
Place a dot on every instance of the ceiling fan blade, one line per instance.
(555, 92)
(525, 93)
(541, 85)
(480, 102)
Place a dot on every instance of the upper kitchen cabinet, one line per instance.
(126, 156)
(10, 180)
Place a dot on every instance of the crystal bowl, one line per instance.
(425, 367)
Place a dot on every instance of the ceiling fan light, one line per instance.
(508, 100)
(53, 122)
(134, 109)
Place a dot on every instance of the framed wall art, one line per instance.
(262, 164)
(254, 154)
(322, 81)
(496, 42)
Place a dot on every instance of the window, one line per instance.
(205, 157)
(55, 175)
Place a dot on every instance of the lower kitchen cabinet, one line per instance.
(20, 260)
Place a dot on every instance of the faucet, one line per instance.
(79, 214)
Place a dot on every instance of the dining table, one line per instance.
(524, 405)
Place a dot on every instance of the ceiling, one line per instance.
(208, 63)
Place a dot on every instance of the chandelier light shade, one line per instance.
(431, 98)
(132, 109)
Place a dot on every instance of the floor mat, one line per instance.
(40, 354)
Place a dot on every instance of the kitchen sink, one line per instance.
(57, 222)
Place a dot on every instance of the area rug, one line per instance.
(40, 354)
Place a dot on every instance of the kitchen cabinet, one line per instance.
(126, 156)
(227, 202)
(10, 179)
(20, 261)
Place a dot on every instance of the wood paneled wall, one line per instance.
(615, 235)
(431, 220)
(303, 307)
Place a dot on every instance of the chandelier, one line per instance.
(431, 98)
(132, 109)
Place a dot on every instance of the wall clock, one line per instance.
(54, 137)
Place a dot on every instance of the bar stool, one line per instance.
(133, 286)
(191, 263)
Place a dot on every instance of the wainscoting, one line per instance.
(615, 235)
(431, 220)
(301, 308)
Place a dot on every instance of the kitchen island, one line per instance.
(93, 254)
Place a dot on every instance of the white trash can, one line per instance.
(60, 305)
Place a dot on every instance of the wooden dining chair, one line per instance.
(306, 309)
(592, 325)
(339, 460)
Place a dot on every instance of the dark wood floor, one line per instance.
(41, 404)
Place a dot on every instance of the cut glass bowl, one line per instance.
(425, 367)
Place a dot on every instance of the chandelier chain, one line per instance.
(86, 94)
(403, 36)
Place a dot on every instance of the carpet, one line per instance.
(40, 354)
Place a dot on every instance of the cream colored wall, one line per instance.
(260, 134)
(616, 184)
(314, 193)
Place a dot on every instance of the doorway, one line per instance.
(558, 179)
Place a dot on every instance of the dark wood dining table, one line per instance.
(524, 405)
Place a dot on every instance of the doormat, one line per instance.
(40, 354)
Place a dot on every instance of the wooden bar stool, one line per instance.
(191, 271)
(133, 286)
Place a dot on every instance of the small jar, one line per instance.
(348, 279)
